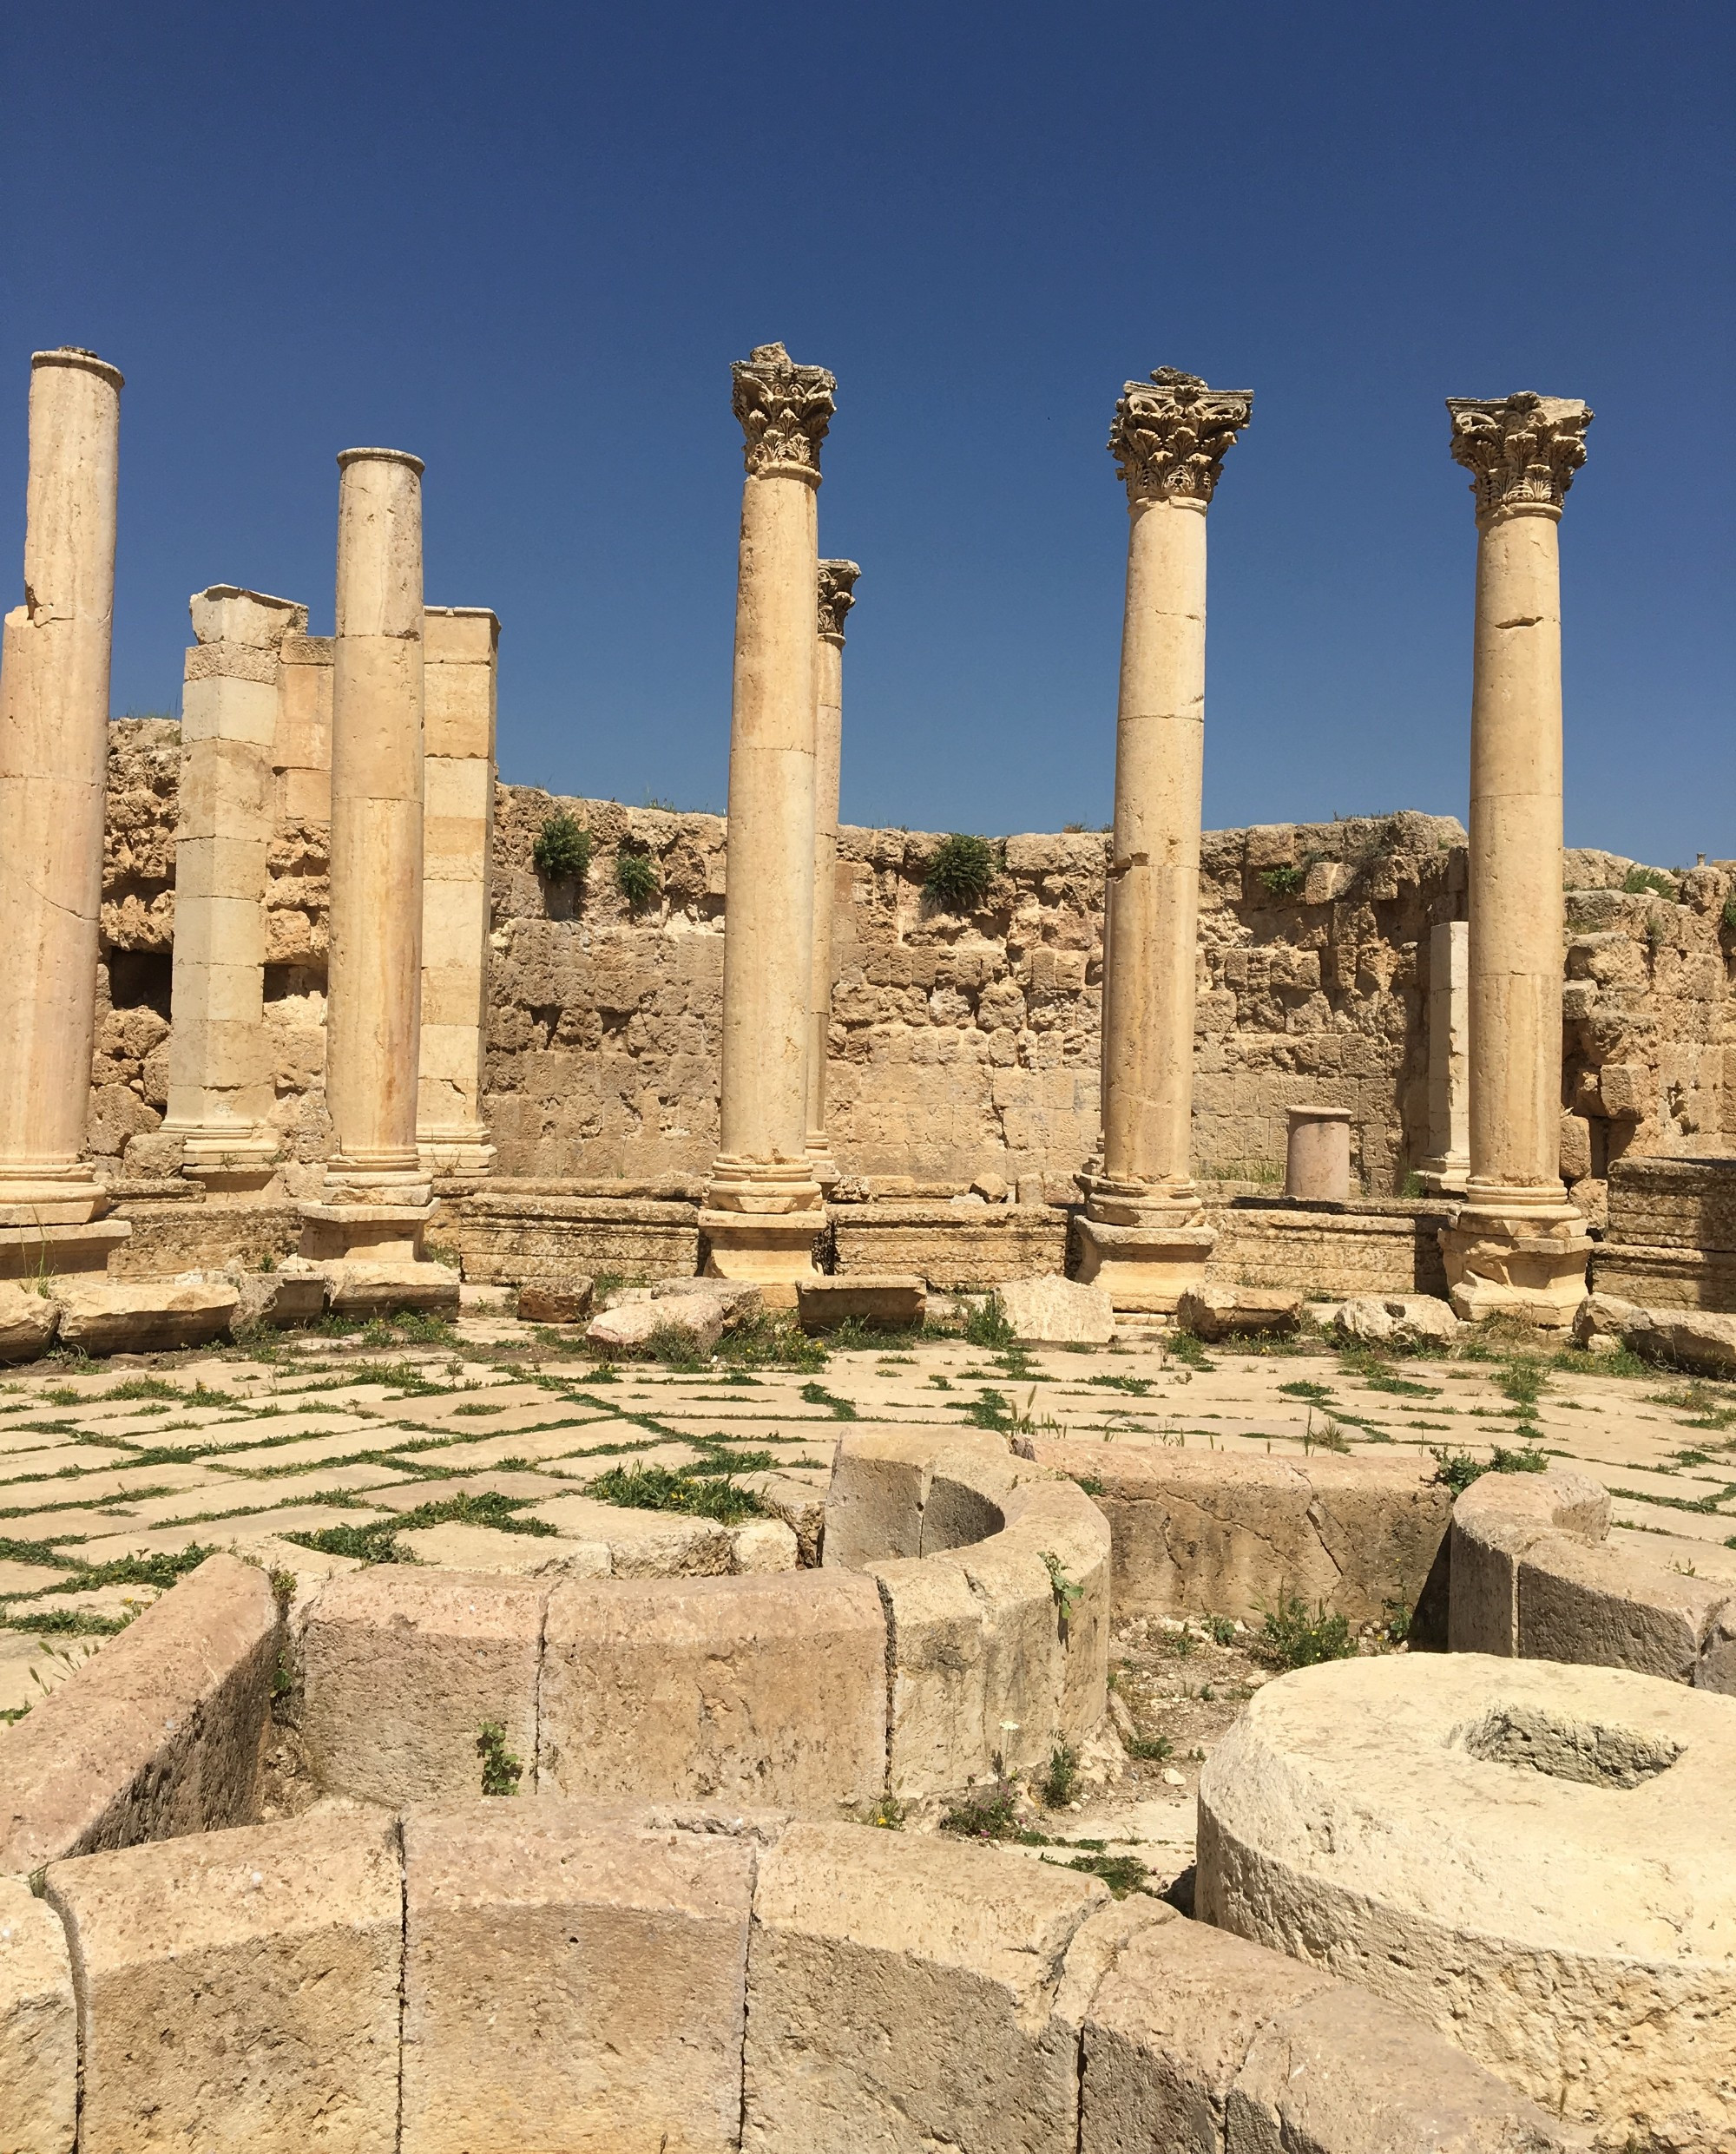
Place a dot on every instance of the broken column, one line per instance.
(460, 644)
(837, 596)
(375, 1204)
(53, 758)
(220, 1088)
(1448, 1166)
(763, 1208)
(1520, 1247)
(1143, 1235)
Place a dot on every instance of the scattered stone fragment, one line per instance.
(27, 1322)
(698, 1317)
(556, 1301)
(1398, 1320)
(103, 1316)
(1217, 1312)
(1056, 1311)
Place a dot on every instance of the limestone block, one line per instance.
(902, 1994)
(1699, 1339)
(293, 1294)
(1219, 1312)
(1169, 2028)
(218, 708)
(938, 1704)
(241, 1988)
(642, 1543)
(799, 1504)
(826, 1300)
(1601, 1320)
(27, 1321)
(1071, 1537)
(1531, 1859)
(1623, 1087)
(101, 1316)
(764, 1544)
(770, 1690)
(1494, 1521)
(363, 1287)
(487, 1549)
(38, 2037)
(1057, 1311)
(306, 795)
(552, 1301)
(698, 1319)
(402, 1668)
(218, 866)
(1575, 1147)
(879, 1486)
(570, 1985)
(163, 1733)
(458, 786)
(461, 636)
(1398, 1320)
(1586, 1602)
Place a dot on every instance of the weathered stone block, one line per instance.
(1058, 1310)
(38, 2036)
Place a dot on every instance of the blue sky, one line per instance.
(526, 242)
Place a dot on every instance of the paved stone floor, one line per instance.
(112, 1472)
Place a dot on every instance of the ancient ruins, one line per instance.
(735, 1482)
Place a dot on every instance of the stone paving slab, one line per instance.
(26, 1578)
(31, 1666)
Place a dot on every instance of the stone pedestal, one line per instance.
(1144, 1234)
(1447, 1168)
(376, 1202)
(764, 1210)
(1316, 1155)
(1519, 1248)
(837, 596)
(219, 1070)
(54, 748)
(459, 647)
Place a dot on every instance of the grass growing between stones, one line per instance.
(1123, 1873)
(378, 1541)
(1290, 1637)
(698, 1492)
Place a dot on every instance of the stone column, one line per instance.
(1317, 1154)
(460, 644)
(763, 1207)
(1448, 1166)
(54, 761)
(1143, 1235)
(374, 1203)
(1519, 1248)
(837, 596)
(221, 1091)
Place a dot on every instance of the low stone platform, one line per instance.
(1373, 1246)
(1671, 1241)
(952, 1245)
(509, 1236)
(179, 1229)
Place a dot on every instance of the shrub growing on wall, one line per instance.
(636, 878)
(960, 871)
(562, 850)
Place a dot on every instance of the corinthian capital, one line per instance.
(837, 594)
(784, 409)
(1170, 435)
(1519, 449)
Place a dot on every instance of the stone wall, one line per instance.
(960, 1047)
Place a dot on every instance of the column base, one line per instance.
(774, 1253)
(372, 1253)
(465, 1152)
(1145, 1268)
(38, 1194)
(1511, 1256)
(82, 1249)
(241, 1162)
(1447, 1176)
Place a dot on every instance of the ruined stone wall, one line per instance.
(960, 1047)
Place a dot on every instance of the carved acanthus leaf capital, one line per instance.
(784, 409)
(1520, 449)
(837, 594)
(1170, 435)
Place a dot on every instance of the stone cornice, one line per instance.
(1521, 450)
(836, 595)
(1170, 435)
(784, 409)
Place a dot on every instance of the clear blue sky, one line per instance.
(526, 241)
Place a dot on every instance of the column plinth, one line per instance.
(763, 1208)
(54, 754)
(368, 1223)
(837, 596)
(1143, 1235)
(1519, 1248)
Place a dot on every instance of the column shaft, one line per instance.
(1154, 889)
(54, 749)
(219, 1069)
(836, 588)
(374, 978)
(460, 644)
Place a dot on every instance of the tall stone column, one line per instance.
(1519, 1247)
(1144, 1235)
(763, 1207)
(460, 645)
(219, 1065)
(1447, 1168)
(374, 1203)
(54, 760)
(837, 596)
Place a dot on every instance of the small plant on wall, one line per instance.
(636, 878)
(562, 850)
(960, 870)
